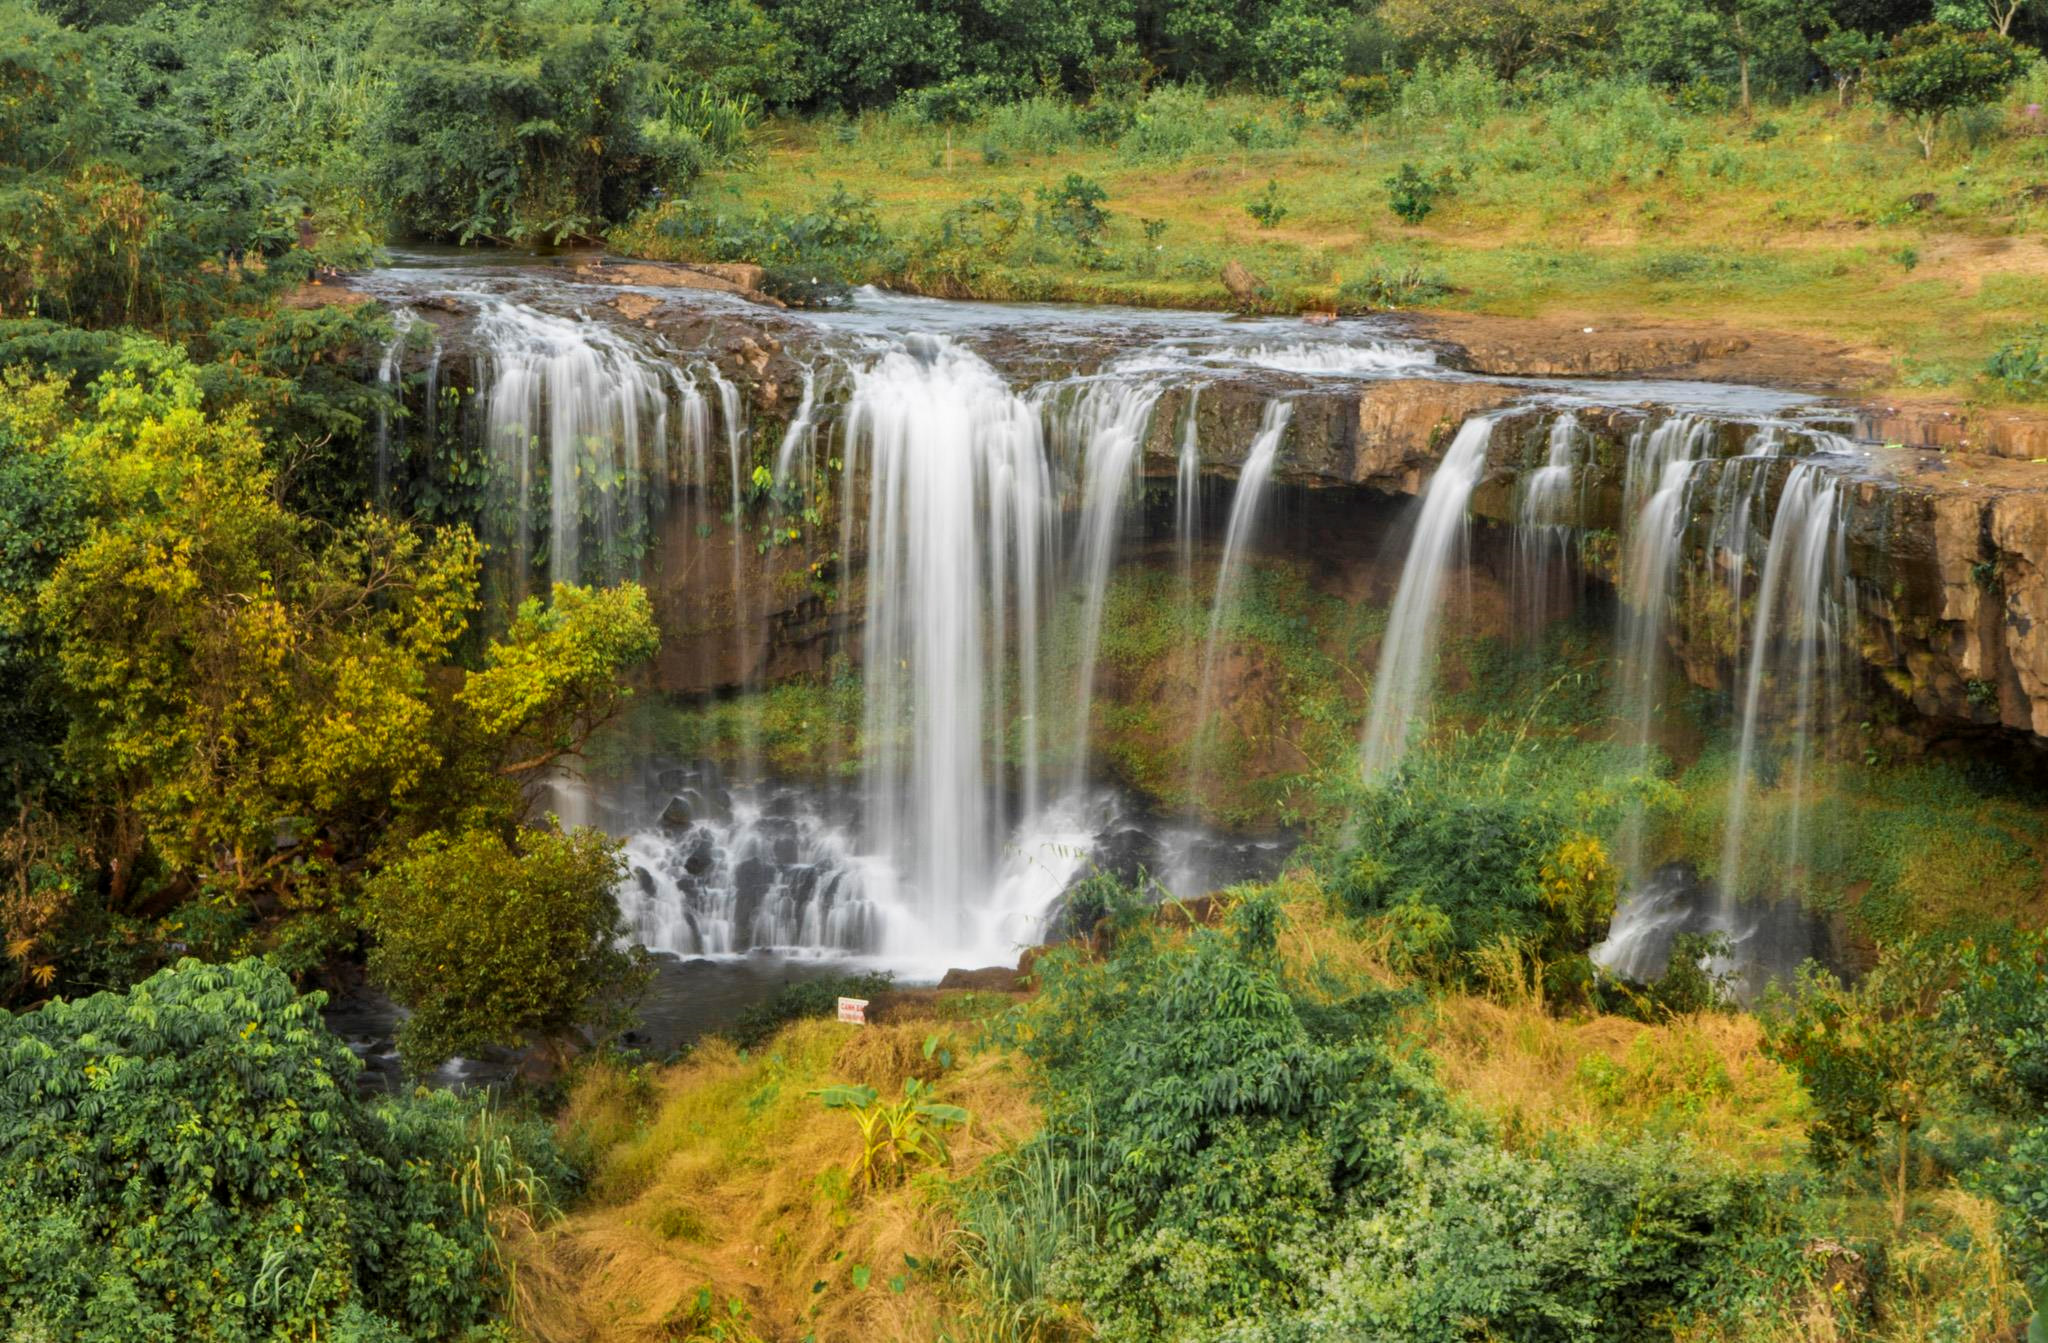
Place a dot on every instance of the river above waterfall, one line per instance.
(1033, 338)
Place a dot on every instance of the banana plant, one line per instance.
(897, 1135)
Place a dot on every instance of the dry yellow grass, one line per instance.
(735, 1180)
(1324, 948)
(1535, 1075)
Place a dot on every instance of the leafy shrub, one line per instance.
(486, 943)
(898, 1136)
(1463, 93)
(756, 1025)
(700, 128)
(2020, 1181)
(1411, 195)
(1073, 210)
(1036, 126)
(1236, 1159)
(1999, 1015)
(1385, 287)
(190, 1159)
(2020, 365)
(1266, 209)
(1875, 1058)
(1501, 868)
(837, 240)
(533, 136)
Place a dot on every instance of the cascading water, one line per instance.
(1799, 627)
(1793, 648)
(798, 438)
(1252, 479)
(1103, 429)
(1544, 518)
(575, 404)
(947, 444)
(390, 367)
(1187, 489)
(1656, 493)
(955, 490)
(1403, 680)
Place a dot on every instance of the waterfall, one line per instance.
(1252, 479)
(802, 425)
(948, 446)
(1402, 682)
(1187, 490)
(1544, 518)
(577, 402)
(391, 405)
(1799, 623)
(1104, 427)
(1657, 484)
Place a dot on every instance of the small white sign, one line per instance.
(854, 1010)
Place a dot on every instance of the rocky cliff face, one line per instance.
(1948, 549)
(1947, 526)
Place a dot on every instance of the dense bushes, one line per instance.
(190, 1160)
(1458, 877)
(1267, 1165)
(240, 710)
(489, 943)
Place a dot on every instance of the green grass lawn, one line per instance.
(1605, 202)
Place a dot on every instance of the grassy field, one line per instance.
(1597, 203)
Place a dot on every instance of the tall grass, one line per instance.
(1026, 1207)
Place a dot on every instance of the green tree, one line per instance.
(191, 1159)
(515, 119)
(1997, 15)
(254, 706)
(1876, 1058)
(488, 943)
(1754, 30)
(1931, 71)
(860, 53)
(1511, 35)
(1847, 54)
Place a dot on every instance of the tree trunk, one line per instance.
(1899, 1201)
(1743, 60)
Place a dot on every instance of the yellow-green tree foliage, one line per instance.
(260, 705)
(494, 943)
